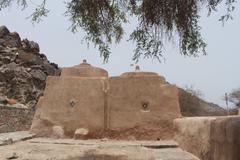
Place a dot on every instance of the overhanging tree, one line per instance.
(103, 20)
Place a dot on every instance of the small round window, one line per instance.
(145, 107)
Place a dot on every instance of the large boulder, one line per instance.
(8, 39)
(3, 31)
(30, 46)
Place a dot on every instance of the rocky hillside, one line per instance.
(191, 106)
(23, 70)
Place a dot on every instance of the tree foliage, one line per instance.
(193, 91)
(234, 97)
(103, 20)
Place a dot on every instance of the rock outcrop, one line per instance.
(23, 70)
(193, 106)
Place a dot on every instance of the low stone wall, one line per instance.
(210, 138)
(15, 119)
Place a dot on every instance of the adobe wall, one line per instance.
(225, 138)
(210, 138)
(15, 119)
(83, 100)
(193, 135)
(143, 106)
(71, 102)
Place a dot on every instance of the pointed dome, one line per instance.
(84, 70)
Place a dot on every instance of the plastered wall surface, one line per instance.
(210, 138)
(83, 98)
(73, 102)
(136, 101)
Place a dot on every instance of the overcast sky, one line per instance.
(214, 74)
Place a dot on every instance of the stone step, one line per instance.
(106, 142)
(12, 137)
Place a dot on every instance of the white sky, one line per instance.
(213, 74)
